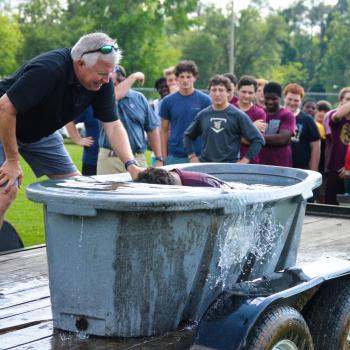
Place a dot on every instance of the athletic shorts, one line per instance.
(48, 156)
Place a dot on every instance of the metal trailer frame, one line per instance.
(230, 318)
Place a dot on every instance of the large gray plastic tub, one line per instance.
(136, 261)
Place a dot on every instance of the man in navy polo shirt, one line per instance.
(45, 94)
(138, 118)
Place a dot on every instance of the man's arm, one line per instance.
(250, 132)
(280, 139)
(76, 138)
(315, 148)
(154, 140)
(10, 170)
(190, 136)
(164, 134)
(342, 111)
(119, 141)
(123, 87)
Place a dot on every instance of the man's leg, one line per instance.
(5, 198)
(5, 202)
(49, 157)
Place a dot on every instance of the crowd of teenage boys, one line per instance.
(240, 121)
(243, 121)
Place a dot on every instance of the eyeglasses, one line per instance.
(105, 49)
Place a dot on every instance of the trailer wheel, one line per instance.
(280, 328)
(328, 316)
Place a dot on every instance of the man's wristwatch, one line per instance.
(161, 159)
(130, 162)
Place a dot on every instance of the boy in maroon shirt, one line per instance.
(280, 129)
(247, 87)
(339, 122)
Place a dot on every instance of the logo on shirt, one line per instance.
(273, 127)
(345, 134)
(217, 124)
(299, 130)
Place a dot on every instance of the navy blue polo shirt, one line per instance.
(137, 117)
(47, 95)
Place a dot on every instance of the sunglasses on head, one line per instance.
(105, 49)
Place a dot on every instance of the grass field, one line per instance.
(26, 216)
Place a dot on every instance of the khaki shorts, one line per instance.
(109, 163)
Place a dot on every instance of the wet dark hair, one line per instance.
(233, 79)
(156, 176)
(273, 87)
(324, 106)
(186, 66)
(159, 82)
(247, 80)
(220, 80)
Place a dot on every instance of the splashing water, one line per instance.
(255, 231)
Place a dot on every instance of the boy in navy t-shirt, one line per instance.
(178, 111)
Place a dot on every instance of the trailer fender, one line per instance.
(230, 318)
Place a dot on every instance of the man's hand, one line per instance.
(261, 125)
(10, 171)
(344, 174)
(139, 77)
(159, 163)
(85, 141)
(192, 157)
(134, 170)
(244, 160)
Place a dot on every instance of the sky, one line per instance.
(276, 4)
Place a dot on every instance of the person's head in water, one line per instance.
(158, 176)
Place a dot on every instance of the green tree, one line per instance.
(334, 67)
(292, 72)
(196, 42)
(10, 42)
(138, 26)
(259, 43)
(307, 22)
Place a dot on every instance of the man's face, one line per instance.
(259, 95)
(292, 102)
(163, 89)
(272, 102)
(246, 94)
(219, 95)
(346, 98)
(171, 80)
(310, 108)
(186, 80)
(319, 116)
(93, 77)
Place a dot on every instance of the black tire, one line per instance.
(280, 324)
(328, 316)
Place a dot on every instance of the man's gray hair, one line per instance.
(94, 41)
